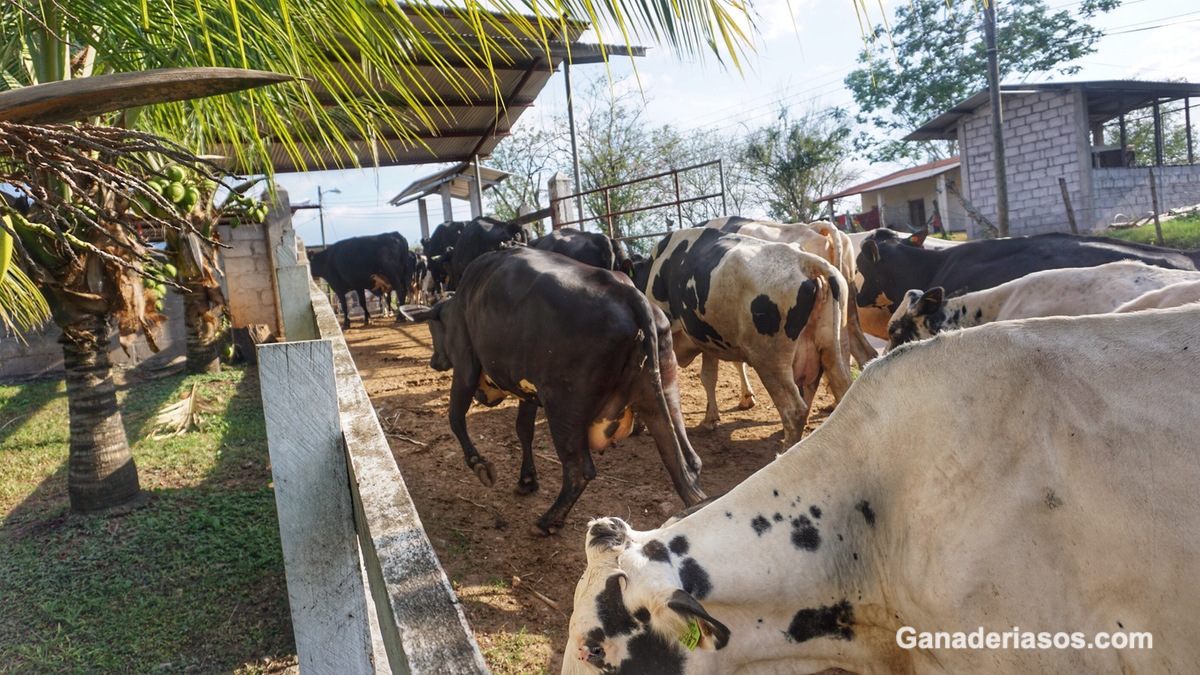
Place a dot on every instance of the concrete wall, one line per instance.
(1124, 194)
(249, 265)
(41, 354)
(1045, 137)
(895, 200)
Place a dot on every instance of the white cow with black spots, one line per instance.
(741, 299)
(823, 240)
(1072, 291)
(1060, 495)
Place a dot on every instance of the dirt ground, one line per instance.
(483, 536)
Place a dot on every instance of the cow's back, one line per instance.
(1058, 496)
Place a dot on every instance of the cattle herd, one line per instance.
(1021, 459)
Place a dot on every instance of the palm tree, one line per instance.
(362, 55)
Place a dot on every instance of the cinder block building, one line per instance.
(1067, 130)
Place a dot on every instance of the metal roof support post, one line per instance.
(574, 142)
(476, 192)
(447, 204)
(1158, 136)
(424, 211)
(993, 72)
(1187, 123)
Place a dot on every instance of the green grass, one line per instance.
(1177, 233)
(191, 583)
(508, 652)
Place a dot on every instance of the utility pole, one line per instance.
(993, 73)
(321, 210)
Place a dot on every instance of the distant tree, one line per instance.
(531, 154)
(793, 161)
(936, 57)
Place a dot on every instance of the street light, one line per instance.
(321, 209)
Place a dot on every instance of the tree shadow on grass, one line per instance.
(192, 582)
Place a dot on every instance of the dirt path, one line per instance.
(482, 536)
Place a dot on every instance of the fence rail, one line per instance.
(678, 202)
(419, 622)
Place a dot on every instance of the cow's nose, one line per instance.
(583, 654)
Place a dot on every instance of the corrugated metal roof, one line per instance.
(1106, 100)
(459, 177)
(468, 115)
(909, 175)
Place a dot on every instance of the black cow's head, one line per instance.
(872, 265)
(318, 265)
(639, 270)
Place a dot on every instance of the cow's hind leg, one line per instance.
(793, 412)
(362, 300)
(526, 416)
(570, 441)
(461, 391)
(709, 367)
(747, 401)
(341, 296)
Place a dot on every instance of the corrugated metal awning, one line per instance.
(909, 175)
(468, 117)
(459, 177)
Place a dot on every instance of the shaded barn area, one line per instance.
(482, 536)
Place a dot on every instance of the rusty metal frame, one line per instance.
(678, 202)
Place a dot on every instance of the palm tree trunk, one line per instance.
(201, 326)
(101, 472)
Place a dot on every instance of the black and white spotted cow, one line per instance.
(578, 341)
(1073, 291)
(1060, 497)
(742, 299)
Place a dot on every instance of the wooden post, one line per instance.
(561, 212)
(1158, 238)
(1062, 185)
(312, 496)
(424, 211)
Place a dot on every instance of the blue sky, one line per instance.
(804, 50)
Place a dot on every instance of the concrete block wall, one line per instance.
(41, 354)
(1045, 137)
(1124, 194)
(249, 273)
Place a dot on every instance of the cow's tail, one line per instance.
(648, 354)
(829, 231)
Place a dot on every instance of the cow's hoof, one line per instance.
(526, 487)
(747, 403)
(484, 472)
(538, 530)
(708, 426)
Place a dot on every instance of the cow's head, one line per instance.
(630, 613)
(639, 270)
(445, 339)
(317, 265)
(918, 317)
(873, 272)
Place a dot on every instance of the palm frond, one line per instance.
(22, 307)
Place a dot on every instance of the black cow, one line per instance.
(359, 264)
(478, 237)
(579, 341)
(891, 264)
(589, 248)
(417, 267)
(437, 249)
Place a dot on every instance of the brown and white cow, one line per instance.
(1060, 495)
(741, 299)
(1072, 291)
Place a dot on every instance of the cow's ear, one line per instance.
(700, 630)
(421, 313)
(931, 301)
(918, 238)
(871, 249)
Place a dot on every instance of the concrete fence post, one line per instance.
(561, 212)
(316, 514)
